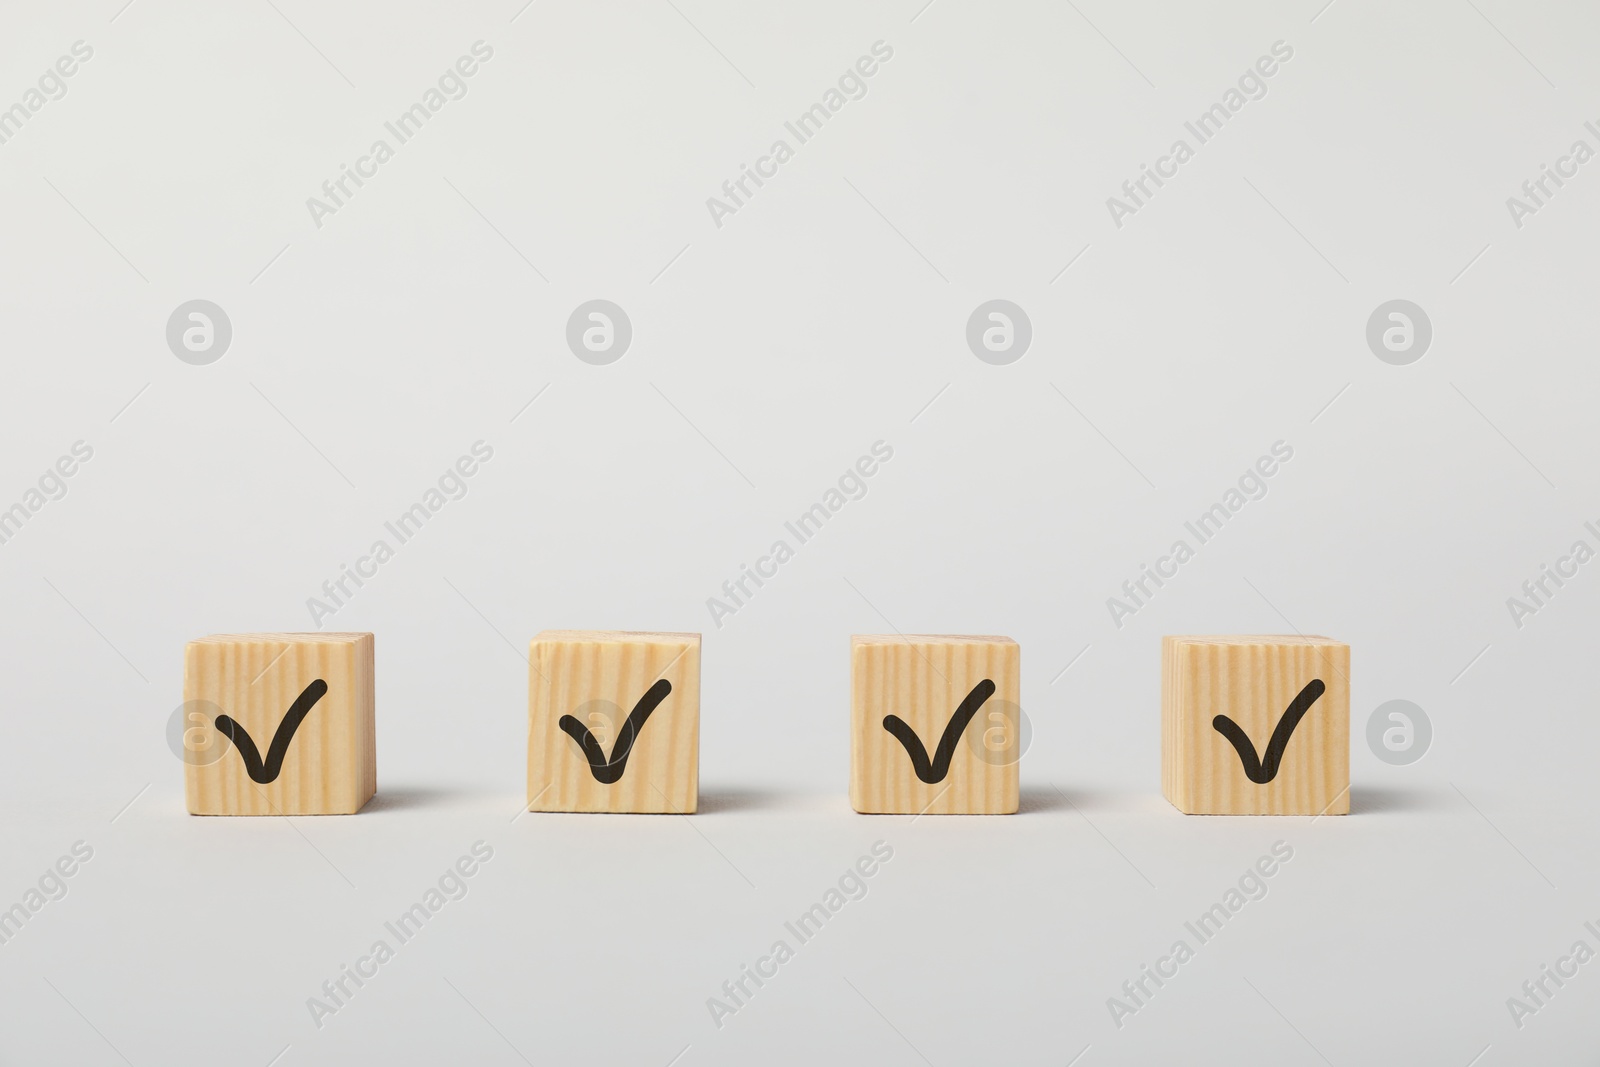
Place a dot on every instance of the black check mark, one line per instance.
(1263, 771)
(266, 773)
(608, 771)
(934, 772)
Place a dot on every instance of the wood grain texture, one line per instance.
(331, 766)
(923, 679)
(598, 677)
(1253, 680)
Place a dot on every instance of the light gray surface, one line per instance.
(767, 354)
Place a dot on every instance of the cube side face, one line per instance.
(330, 765)
(599, 679)
(1174, 785)
(924, 683)
(1254, 684)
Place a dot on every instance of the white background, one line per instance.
(768, 354)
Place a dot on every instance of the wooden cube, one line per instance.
(922, 708)
(1255, 725)
(614, 722)
(298, 711)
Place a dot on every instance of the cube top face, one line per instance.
(1255, 725)
(279, 640)
(617, 637)
(858, 640)
(300, 712)
(614, 722)
(1253, 640)
(910, 750)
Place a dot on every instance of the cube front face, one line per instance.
(326, 763)
(1256, 763)
(614, 722)
(925, 682)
